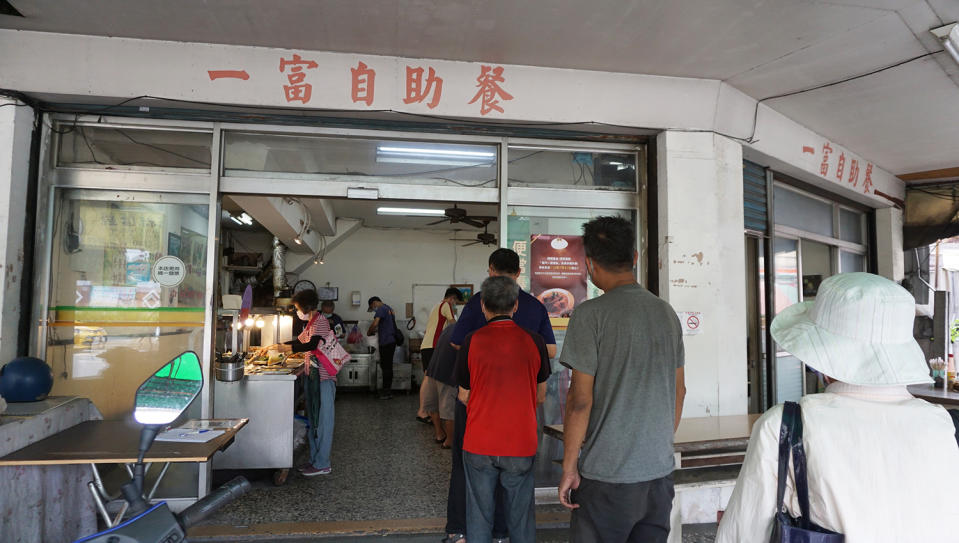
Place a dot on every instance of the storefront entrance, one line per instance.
(146, 222)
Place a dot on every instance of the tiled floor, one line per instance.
(385, 466)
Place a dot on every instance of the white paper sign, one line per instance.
(692, 322)
(169, 271)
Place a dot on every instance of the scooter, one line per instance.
(160, 400)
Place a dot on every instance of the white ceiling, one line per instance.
(366, 211)
(905, 119)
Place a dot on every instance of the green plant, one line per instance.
(954, 331)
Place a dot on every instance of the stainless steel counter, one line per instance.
(267, 441)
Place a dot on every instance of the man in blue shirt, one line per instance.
(384, 325)
(531, 315)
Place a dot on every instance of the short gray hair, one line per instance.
(499, 294)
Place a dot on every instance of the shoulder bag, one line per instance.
(787, 529)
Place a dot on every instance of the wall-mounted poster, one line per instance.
(558, 272)
(173, 244)
(466, 289)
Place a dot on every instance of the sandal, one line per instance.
(424, 420)
(454, 538)
(439, 439)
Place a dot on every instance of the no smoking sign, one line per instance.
(692, 322)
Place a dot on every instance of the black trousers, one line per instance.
(456, 500)
(622, 512)
(386, 365)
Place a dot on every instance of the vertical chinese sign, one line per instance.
(518, 240)
(558, 272)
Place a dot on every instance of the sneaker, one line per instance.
(303, 466)
(312, 472)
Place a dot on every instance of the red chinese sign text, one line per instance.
(854, 172)
(840, 166)
(867, 183)
(824, 167)
(418, 89)
(297, 90)
(364, 83)
(490, 92)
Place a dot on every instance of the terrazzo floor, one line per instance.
(385, 466)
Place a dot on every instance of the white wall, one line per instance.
(16, 126)
(702, 263)
(387, 262)
(889, 243)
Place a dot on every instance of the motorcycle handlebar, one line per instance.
(230, 491)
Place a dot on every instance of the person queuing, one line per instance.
(501, 371)
(625, 350)
(880, 463)
(384, 326)
(319, 387)
(441, 389)
(336, 322)
(441, 317)
(530, 314)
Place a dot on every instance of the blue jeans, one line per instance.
(515, 473)
(322, 441)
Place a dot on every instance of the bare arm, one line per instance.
(540, 392)
(464, 395)
(579, 403)
(551, 350)
(373, 326)
(680, 395)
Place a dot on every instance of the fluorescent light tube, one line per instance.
(410, 211)
(425, 151)
(237, 221)
(246, 219)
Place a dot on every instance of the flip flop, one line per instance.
(446, 446)
(424, 420)
(439, 440)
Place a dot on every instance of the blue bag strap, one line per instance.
(799, 461)
(784, 443)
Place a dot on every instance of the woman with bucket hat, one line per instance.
(880, 464)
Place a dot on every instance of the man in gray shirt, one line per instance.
(625, 350)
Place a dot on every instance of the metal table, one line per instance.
(935, 395)
(115, 442)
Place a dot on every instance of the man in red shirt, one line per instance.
(502, 370)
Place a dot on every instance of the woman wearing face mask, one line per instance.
(319, 387)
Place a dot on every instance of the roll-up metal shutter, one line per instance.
(755, 204)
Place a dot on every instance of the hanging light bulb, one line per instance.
(239, 326)
(260, 323)
(248, 322)
(297, 240)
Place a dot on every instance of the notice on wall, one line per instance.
(558, 272)
(692, 322)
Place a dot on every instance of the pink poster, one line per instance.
(558, 272)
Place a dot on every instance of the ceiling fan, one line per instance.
(483, 237)
(456, 215)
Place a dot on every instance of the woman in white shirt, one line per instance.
(882, 465)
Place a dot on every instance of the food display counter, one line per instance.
(265, 396)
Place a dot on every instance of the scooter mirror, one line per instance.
(168, 392)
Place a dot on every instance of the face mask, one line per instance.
(325, 314)
(303, 316)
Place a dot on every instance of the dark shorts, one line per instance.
(621, 512)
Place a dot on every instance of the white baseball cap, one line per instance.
(858, 330)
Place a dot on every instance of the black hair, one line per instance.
(455, 292)
(504, 261)
(325, 303)
(610, 242)
(306, 300)
(499, 294)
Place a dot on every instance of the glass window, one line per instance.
(816, 266)
(128, 290)
(571, 169)
(786, 282)
(802, 212)
(412, 162)
(111, 146)
(850, 226)
(552, 268)
(851, 262)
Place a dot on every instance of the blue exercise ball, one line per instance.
(25, 379)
